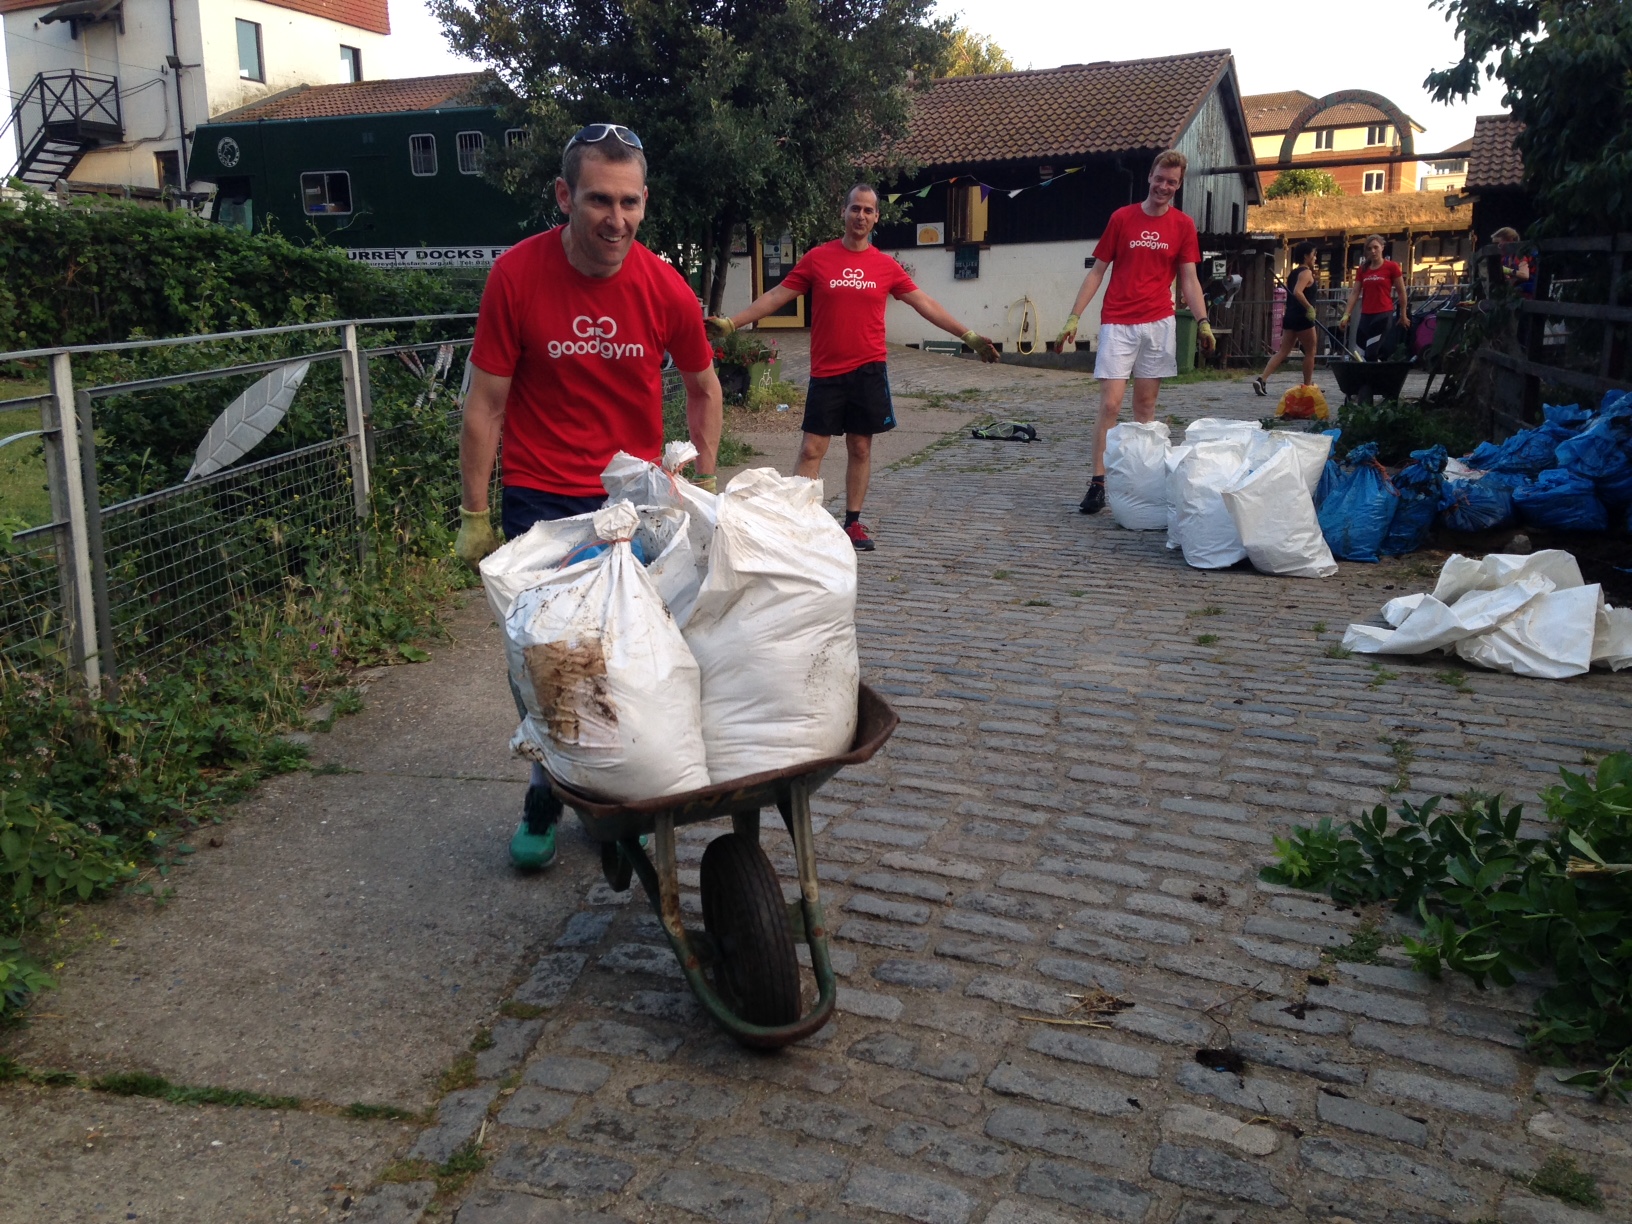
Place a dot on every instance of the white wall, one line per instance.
(1049, 273)
(297, 49)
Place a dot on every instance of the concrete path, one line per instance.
(1098, 744)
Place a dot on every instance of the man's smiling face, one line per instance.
(603, 214)
(1165, 182)
(860, 214)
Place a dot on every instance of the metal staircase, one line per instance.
(61, 117)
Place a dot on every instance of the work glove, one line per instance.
(475, 539)
(984, 348)
(1205, 337)
(1068, 333)
(1344, 321)
(718, 327)
(706, 482)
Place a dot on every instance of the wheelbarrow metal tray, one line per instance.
(1384, 378)
(611, 821)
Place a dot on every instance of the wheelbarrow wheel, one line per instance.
(745, 915)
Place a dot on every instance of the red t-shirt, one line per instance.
(1145, 253)
(586, 356)
(848, 291)
(1377, 287)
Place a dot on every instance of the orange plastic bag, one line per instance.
(1302, 403)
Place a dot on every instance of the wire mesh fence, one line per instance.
(365, 456)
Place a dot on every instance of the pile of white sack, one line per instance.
(1231, 491)
(1529, 615)
(675, 638)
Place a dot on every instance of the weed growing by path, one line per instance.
(1319, 627)
(512, 1010)
(1209, 610)
(1561, 1179)
(1365, 942)
(1458, 680)
(1036, 603)
(1380, 676)
(1338, 651)
(382, 1113)
(140, 1084)
(1206, 639)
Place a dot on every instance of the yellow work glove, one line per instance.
(1344, 321)
(1204, 334)
(1068, 333)
(706, 482)
(984, 348)
(475, 539)
(718, 327)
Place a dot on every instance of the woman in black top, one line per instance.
(1298, 323)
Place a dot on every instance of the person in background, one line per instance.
(1518, 265)
(1298, 323)
(850, 282)
(1377, 282)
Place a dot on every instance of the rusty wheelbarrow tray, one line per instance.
(749, 939)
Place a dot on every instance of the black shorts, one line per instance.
(857, 402)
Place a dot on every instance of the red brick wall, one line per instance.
(370, 15)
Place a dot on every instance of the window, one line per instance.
(1373, 181)
(1207, 214)
(167, 167)
(326, 193)
(1377, 134)
(514, 137)
(1324, 137)
(250, 65)
(1235, 218)
(470, 152)
(422, 155)
(351, 64)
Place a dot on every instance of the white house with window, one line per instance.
(1341, 133)
(109, 92)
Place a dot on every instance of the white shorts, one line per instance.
(1137, 350)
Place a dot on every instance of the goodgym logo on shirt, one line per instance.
(1148, 238)
(852, 278)
(595, 339)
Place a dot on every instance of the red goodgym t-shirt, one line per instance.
(585, 356)
(1144, 253)
(1377, 287)
(848, 291)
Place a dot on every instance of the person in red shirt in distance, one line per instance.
(1377, 282)
(1144, 246)
(567, 369)
(850, 282)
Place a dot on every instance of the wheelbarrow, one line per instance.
(749, 931)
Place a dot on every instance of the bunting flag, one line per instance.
(984, 192)
(986, 189)
(924, 194)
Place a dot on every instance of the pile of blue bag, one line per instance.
(1573, 472)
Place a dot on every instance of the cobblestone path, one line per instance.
(1097, 746)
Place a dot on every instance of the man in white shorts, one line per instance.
(1144, 247)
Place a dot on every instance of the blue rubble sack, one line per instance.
(1420, 484)
(1601, 451)
(1359, 508)
(1527, 453)
(1481, 504)
(1562, 500)
(1570, 416)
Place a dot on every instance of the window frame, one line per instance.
(326, 175)
(1325, 139)
(163, 158)
(260, 51)
(1379, 131)
(515, 136)
(435, 165)
(352, 57)
(1381, 179)
(479, 148)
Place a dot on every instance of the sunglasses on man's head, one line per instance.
(594, 133)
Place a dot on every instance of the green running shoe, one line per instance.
(533, 846)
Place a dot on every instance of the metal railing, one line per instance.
(72, 107)
(160, 573)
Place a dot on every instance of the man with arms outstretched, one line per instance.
(1144, 247)
(850, 282)
(568, 362)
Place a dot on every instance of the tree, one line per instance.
(970, 54)
(753, 112)
(1564, 66)
(1302, 181)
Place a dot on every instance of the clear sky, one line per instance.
(1387, 46)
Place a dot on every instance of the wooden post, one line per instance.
(64, 476)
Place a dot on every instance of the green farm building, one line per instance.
(389, 170)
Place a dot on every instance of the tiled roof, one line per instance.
(1274, 112)
(373, 15)
(16, 6)
(1059, 112)
(361, 98)
(1494, 161)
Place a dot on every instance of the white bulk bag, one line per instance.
(611, 689)
(1460, 574)
(663, 533)
(1433, 625)
(774, 629)
(1135, 475)
(1550, 637)
(1205, 530)
(629, 479)
(1170, 464)
(1214, 429)
(1274, 513)
(1310, 450)
(1612, 640)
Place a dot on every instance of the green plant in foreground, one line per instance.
(1206, 639)
(138, 1083)
(385, 1113)
(1365, 942)
(1456, 679)
(1560, 1178)
(1495, 904)
(1338, 651)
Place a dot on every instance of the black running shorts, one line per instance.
(857, 402)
